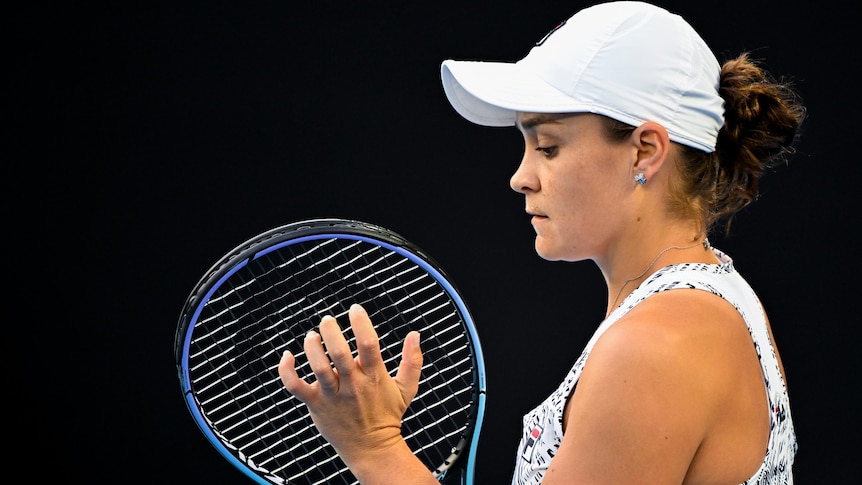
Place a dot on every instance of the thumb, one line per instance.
(410, 369)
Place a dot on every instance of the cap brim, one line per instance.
(491, 93)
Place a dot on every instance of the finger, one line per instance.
(319, 362)
(291, 380)
(336, 345)
(367, 342)
(410, 368)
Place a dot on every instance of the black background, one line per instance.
(151, 138)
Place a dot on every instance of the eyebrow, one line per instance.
(533, 120)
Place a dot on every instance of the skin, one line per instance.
(672, 393)
(356, 406)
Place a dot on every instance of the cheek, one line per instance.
(586, 208)
(564, 232)
(573, 195)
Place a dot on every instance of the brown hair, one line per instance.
(762, 120)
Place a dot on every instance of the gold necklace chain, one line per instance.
(613, 305)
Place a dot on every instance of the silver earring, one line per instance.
(640, 178)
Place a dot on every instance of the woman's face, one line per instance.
(575, 183)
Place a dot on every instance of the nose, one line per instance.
(523, 180)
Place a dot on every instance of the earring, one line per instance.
(640, 178)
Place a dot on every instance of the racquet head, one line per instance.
(266, 294)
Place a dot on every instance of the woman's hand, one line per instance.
(354, 402)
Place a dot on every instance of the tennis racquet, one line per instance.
(266, 294)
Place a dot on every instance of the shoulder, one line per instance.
(653, 388)
(659, 387)
(684, 334)
(678, 355)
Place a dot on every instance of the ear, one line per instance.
(653, 146)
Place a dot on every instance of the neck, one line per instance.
(697, 251)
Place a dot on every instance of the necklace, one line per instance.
(614, 304)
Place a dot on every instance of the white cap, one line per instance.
(630, 61)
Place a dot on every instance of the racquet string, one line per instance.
(272, 302)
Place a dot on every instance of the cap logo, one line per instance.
(543, 39)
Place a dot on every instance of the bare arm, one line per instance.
(662, 400)
(356, 405)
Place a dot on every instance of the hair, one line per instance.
(762, 120)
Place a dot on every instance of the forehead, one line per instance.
(531, 121)
(526, 121)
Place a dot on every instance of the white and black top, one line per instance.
(543, 426)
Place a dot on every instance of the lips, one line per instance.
(535, 213)
(536, 217)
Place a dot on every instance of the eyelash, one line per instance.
(547, 151)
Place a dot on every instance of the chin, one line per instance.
(546, 252)
(550, 252)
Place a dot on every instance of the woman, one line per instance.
(637, 143)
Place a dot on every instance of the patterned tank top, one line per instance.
(543, 426)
